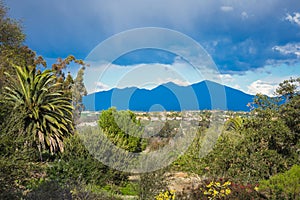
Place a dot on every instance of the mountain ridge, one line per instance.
(204, 95)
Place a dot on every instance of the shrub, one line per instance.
(77, 164)
(217, 190)
(49, 190)
(257, 152)
(284, 185)
(221, 189)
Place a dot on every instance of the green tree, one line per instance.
(289, 88)
(47, 112)
(61, 65)
(78, 91)
(122, 128)
(12, 49)
(290, 111)
(262, 145)
(73, 88)
(68, 85)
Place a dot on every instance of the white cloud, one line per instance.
(226, 78)
(294, 18)
(105, 77)
(101, 87)
(259, 86)
(226, 8)
(290, 48)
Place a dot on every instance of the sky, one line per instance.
(250, 45)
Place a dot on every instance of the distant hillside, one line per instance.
(205, 95)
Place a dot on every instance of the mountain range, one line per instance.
(205, 95)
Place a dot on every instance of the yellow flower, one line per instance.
(256, 188)
(227, 183)
(167, 195)
(210, 184)
(227, 191)
(215, 192)
(218, 184)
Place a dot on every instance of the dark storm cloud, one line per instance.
(239, 35)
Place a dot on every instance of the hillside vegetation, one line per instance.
(45, 155)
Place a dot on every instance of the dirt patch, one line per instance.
(181, 181)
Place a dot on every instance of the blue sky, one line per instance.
(254, 44)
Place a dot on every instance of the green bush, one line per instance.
(122, 129)
(77, 164)
(49, 190)
(284, 185)
(261, 149)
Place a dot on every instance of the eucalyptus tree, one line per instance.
(47, 111)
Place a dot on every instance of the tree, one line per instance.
(78, 91)
(289, 88)
(73, 88)
(10, 31)
(122, 128)
(268, 140)
(47, 112)
(12, 49)
(290, 111)
(68, 85)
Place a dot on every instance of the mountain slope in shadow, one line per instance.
(205, 95)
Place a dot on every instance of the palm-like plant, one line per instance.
(48, 112)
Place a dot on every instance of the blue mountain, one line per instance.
(205, 95)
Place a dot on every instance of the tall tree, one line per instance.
(48, 113)
(78, 91)
(12, 49)
(73, 88)
(290, 111)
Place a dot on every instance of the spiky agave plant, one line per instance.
(48, 112)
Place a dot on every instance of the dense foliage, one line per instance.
(256, 148)
(122, 129)
(47, 113)
(43, 155)
(282, 186)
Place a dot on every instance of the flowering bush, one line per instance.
(167, 195)
(221, 189)
(217, 190)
